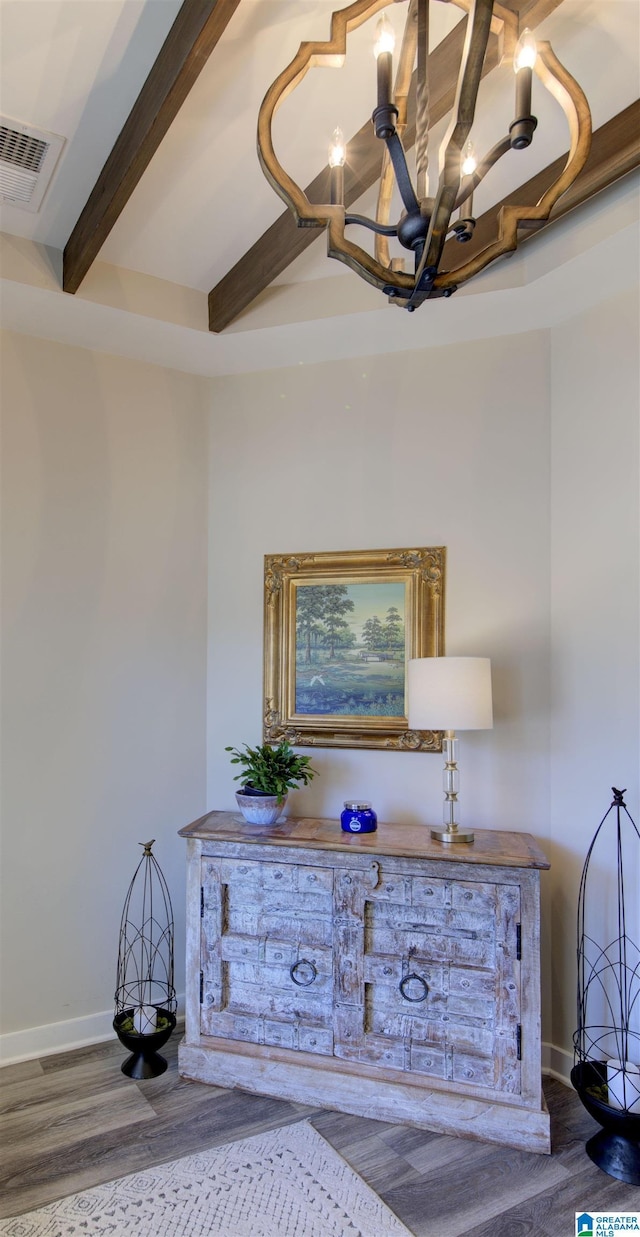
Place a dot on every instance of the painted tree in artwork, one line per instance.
(337, 603)
(394, 630)
(310, 605)
(373, 634)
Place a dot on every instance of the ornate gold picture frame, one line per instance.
(338, 632)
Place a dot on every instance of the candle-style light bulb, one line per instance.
(337, 149)
(522, 129)
(469, 161)
(526, 52)
(337, 156)
(386, 113)
(385, 37)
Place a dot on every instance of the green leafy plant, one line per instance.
(272, 770)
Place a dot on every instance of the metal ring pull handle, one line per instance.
(412, 977)
(303, 973)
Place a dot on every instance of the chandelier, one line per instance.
(427, 222)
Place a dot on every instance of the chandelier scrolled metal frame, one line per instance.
(426, 222)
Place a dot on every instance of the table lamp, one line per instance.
(449, 694)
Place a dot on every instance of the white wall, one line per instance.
(103, 659)
(447, 446)
(595, 569)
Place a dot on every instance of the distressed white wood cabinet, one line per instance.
(383, 975)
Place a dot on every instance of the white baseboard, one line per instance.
(54, 1037)
(557, 1063)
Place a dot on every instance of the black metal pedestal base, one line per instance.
(140, 1066)
(616, 1148)
(615, 1155)
(145, 1060)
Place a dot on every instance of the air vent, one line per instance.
(28, 159)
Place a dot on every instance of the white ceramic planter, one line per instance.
(260, 809)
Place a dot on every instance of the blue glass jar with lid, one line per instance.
(358, 817)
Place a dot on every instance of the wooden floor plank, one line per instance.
(404, 1138)
(552, 1213)
(21, 1070)
(95, 1052)
(56, 1124)
(382, 1168)
(486, 1184)
(90, 1078)
(181, 1099)
(341, 1128)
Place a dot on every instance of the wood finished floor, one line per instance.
(71, 1121)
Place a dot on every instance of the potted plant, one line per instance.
(268, 773)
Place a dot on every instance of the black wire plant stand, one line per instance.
(145, 995)
(606, 1073)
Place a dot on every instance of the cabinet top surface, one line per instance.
(491, 846)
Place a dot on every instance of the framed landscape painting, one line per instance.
(338, 632)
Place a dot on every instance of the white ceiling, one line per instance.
(75, 67)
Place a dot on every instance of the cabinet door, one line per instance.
(441, 982)
(266, 953)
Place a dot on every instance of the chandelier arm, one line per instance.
(571, 97)
(358, 260)
(403, 180)
(504, 24)
(470, 183)
(400, 98)
(477, 37)
(382, 229)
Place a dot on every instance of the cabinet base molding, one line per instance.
(441, 1112)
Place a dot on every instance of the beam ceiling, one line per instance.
(191, 40)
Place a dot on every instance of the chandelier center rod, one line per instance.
(422, 101)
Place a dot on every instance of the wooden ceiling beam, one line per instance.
(284, 241)
(532, 12)
(193, 36)
(615, 151)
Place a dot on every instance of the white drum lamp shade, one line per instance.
(450, 693)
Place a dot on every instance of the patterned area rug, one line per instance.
(286, 1183)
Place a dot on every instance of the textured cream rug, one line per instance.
(286, 1183)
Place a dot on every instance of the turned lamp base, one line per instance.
(451, 831)
(452, 835)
